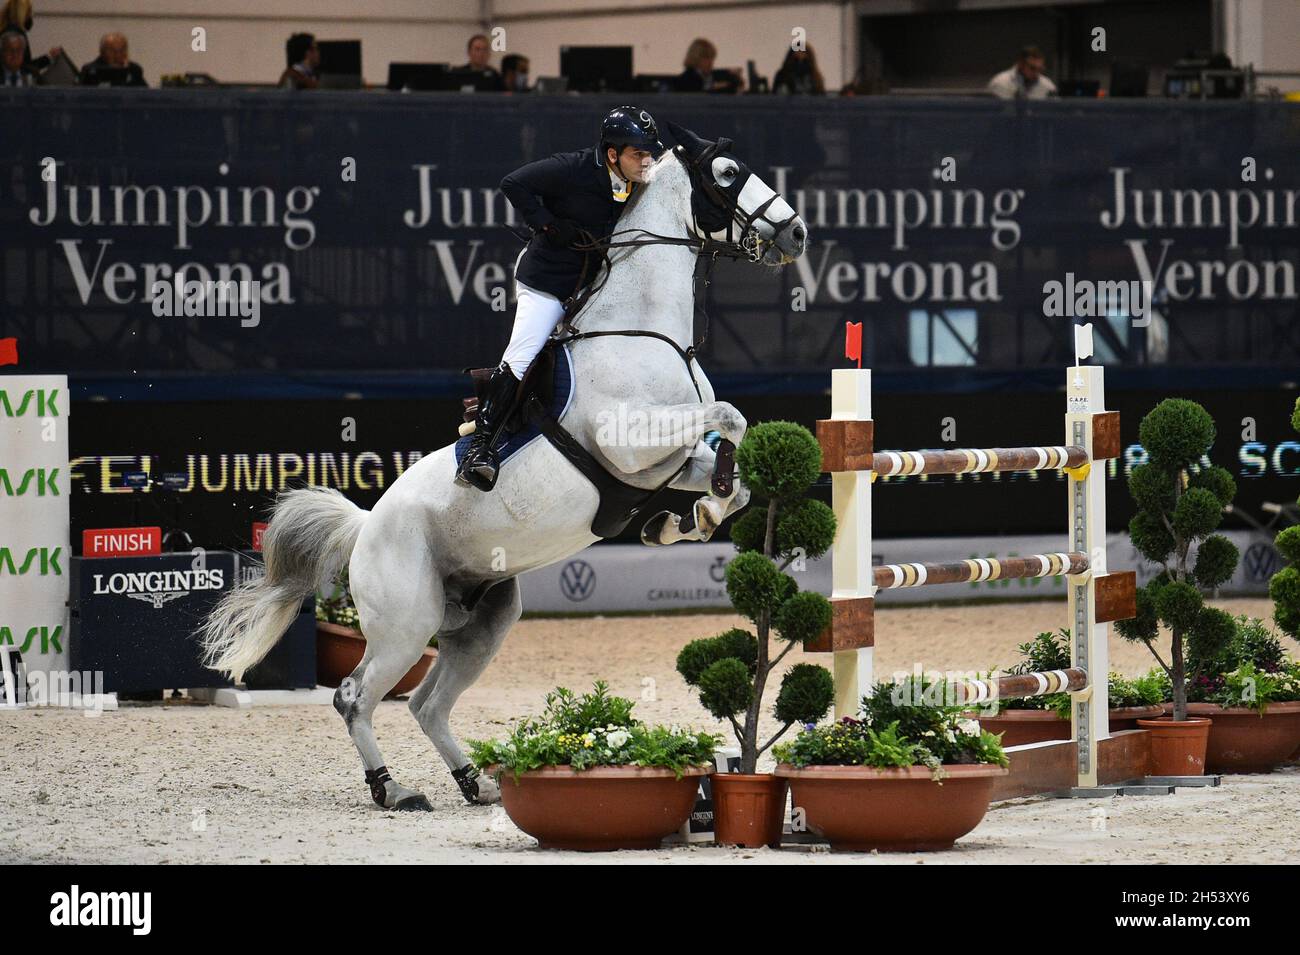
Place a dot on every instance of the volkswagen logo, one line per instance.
(577, 580)
(1261, 562)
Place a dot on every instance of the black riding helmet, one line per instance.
(628, 126)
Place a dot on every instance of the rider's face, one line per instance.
(632, 163)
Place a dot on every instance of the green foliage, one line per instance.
(807, 692)
(1145, 627)
(755, 585)
(779, 459)
(1287, 543)
(1141, 691)
(1175, 433)
(1295, 416)
(898, 728)
(1218, 481)
(698, 655)
(1216, 560)
(1178, 604)
(726, 688)
(1248, 685)
(805, 524)
(1198, 513)
(1284, 588)
(1151, 536)
(1209, 637)
(594, 729)
(1251, 644)
(1153, 489)
(749, 530)
(802, 617)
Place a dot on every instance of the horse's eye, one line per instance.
(725, 171)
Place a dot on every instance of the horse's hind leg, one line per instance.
(463, 655)
(399, 598)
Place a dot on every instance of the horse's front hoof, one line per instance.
(415, 803)
(652, 531)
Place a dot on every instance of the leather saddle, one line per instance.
(619, 502)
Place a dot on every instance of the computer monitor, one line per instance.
(415, 76)
(464, 81)
(596, 69)
(1128, 79)
(340, 64)
(551, 85)
(654, 82)
(1079, 89)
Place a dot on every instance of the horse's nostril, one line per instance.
(798, 233)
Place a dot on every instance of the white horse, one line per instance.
(429, 546)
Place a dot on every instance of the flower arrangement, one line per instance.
(594, 729)
(896, 728)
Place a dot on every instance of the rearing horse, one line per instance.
(430, 544)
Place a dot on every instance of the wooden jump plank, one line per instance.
(892, 576)
(978, 460)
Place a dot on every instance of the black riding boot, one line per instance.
(479, 465)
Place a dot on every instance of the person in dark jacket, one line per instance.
(556, 197)
(113, 67)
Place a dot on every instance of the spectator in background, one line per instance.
(16, 15)
(699, 76)
(13, 44)
(799, 74)
(478, 51)
(514, 73)
(113, 66)
(302, 58)
(1025, 80)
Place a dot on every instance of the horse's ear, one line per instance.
(687, 139)
(724, 144)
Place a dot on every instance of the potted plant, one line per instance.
(1284, 587)
(1251, 691)
(778, 461)
(587, 775)
(1179, 505)
(1039, 719)
(340, 644)
(911, 775)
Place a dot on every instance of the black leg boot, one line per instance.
(479, 465)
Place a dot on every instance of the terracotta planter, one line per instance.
(858, 808)
(1126, 717)
(339, 650)
(1177, 749)
(1242, 740)
(599, 809)
(1019, 727)
(748, 810)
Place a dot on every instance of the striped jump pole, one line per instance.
(1016, 686)
(893, 576)
(978, 460)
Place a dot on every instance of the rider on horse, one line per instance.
(557, 197)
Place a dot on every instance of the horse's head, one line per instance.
(730, 203)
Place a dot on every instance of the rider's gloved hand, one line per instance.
(562, 232)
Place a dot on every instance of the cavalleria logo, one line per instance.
(46, 403)
(46, 482)
(48, 558)
(160, 586)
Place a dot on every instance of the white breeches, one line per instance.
(535, 317)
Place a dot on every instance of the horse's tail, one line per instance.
(312, 531)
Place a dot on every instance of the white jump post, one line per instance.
(1096, 597)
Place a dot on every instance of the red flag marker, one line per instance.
(853, 341)
(8, 351)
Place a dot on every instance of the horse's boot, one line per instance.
(479, 465)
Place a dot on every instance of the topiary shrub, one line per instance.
(1177, 510)
(778, 461)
